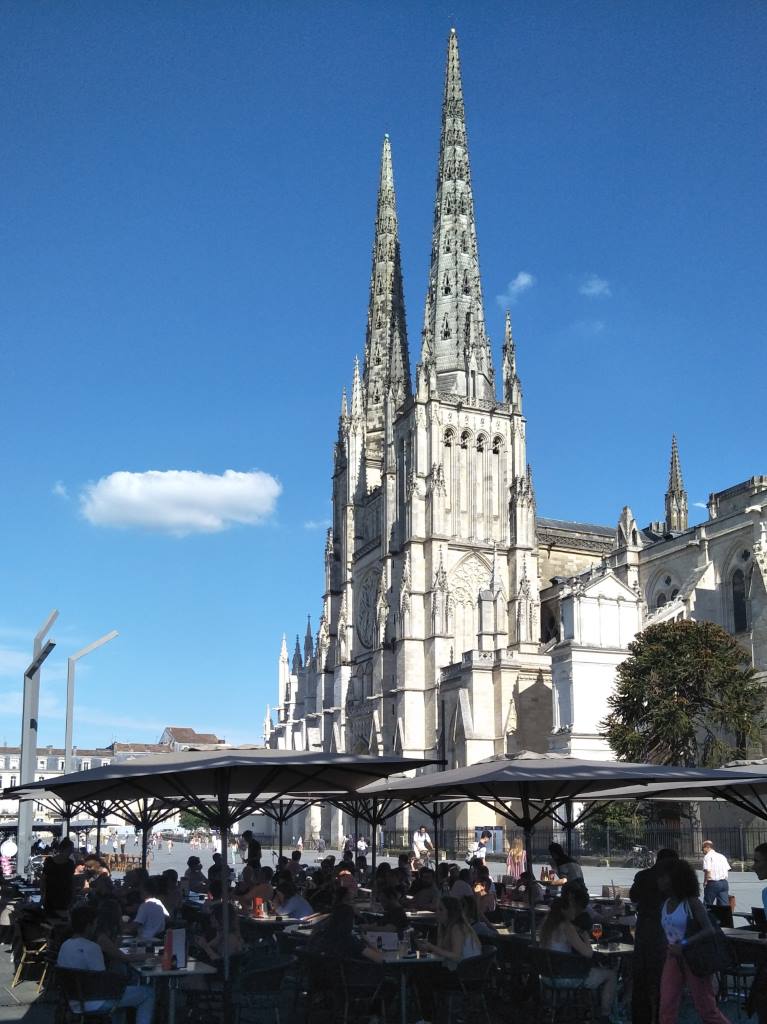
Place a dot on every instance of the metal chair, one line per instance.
(259, 988)
(465, 987)
(561, 985)
(78, 988)
(31, 947)
(364, 990)
(741, 976)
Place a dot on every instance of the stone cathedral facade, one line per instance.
(454, 619)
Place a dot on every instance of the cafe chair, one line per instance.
(259, 992)
(31, 947)
(364, 990)
(78, 988)
(464, 989)
(738, 979)
(562, 994)
(722, 916)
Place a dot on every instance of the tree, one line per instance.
(191, 820)
(684, 696)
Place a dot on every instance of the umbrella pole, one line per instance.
(530, 887)
(569, 827)
(435, 830)
(99, 809)
(280, 822)
(374, 838)
(144, 843)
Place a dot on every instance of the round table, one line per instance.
(154, 972)
(403, 965)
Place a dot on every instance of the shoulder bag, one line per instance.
(710, 954)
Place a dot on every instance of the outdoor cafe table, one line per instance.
(753, 938)
(270, 922)
(404, 966)
(154, 973)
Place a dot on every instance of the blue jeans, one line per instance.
(716, 893)
(141, 998)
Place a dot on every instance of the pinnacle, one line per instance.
(675, 482)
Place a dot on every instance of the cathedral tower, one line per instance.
(387, 363)
(676, 495)
(455, 344)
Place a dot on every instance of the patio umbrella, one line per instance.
(226, 784)
(528, 787)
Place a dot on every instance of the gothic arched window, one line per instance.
(481, 441)
(446, 290)
(497, 445)
(660, 600)
(466, 285)
(445, 327)
(464, 242)
(465, 439)
(449, 438)
(739, 608)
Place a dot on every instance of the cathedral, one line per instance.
(455, 621)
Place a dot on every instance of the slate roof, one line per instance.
(570, 527)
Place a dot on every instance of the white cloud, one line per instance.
(700, 504)
(51, 706)
(595, 287)
(180, 501)
(317, 524)
(13, 663)
(523, 282)
(60, 490)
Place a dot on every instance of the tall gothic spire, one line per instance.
(454, 320)
(676, 495)
(512, 389)
(387, 362)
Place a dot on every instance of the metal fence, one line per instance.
(601, 844)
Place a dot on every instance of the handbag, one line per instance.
(710, 954)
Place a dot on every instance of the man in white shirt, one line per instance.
(716, 888)
(422, 846)
(80, 953)
(151, 917)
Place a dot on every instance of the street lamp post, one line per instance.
(71, 662)
(28, 755)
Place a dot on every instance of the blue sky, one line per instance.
(187, 205)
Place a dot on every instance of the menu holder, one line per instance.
(174, 954)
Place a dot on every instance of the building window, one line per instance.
(62, 765)
(660, 600)
(13, 780)
(85, 766)
(673, 594)
(14, 763)
(41, 763)
(739, 608)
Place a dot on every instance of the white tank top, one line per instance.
(674, 922)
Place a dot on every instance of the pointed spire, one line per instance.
(308, 642)
(296, 667)
(357, 402)
(676, 495)
(387, 361)
(454, 322)
(512, 389)
(284, 649)
(344, 404)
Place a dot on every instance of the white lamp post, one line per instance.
(71, 661)
(28, 755)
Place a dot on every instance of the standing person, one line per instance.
(362, 846)
(567, 869)
(649, 940)
(57, 879)
(300, 843)
(681, 909)
(516, 861)
(422, 845)
(716, 867)
(479, 850)
(170, 847)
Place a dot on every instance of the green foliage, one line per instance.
(685, 696)
(626, 820)
(191, 820)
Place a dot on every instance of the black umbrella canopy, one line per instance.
(538, 783)
(213, 777)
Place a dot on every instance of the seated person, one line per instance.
(482, 927)
(261, 888)
(382, 879)
(213, 944)
(294, 865)
(483, 898)
(335, 935)
(456, 939)
(151, 917)
(521, 888)
(462, 885)
(131, 893)
(194, 876)
(394, 917)
(288, 902)
(81, 953)
(345, 873)
(107, 929)
(217, 867)
(558, 933)
(424, 891)
(171, 894)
